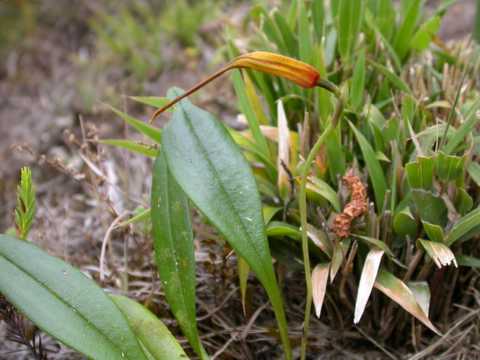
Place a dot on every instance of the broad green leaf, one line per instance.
(319, 285)
(367, 279)
(404, 223)
(439, 253)
(279, 228)
(396, 290)
(150, 330)
(269, 212)
(434, 232)
(375, 171)
(465, 228)
(449, 167)
(420, 173)
(64, 303)
(153, 101)
(211, 170)
(132, 146)
(429, 207)
(174, 249)
(142, 127)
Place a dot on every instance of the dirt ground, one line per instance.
(82, 187)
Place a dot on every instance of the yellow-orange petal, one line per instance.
(294, 70)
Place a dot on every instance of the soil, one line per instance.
(83, 187)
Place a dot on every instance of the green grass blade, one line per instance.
(375, 171)
(142, 127)
(153, 101)
(471, 119)
(211, 170)
(150, 330)
(464, 226)
(64, 303)
(132, 146)
(174, 250)
(350, 18)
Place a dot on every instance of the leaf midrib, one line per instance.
(58, 297)
(221, 186)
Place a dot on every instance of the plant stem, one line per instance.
(303, 214)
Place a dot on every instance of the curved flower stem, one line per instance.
(303, 211)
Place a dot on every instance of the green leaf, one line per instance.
(350, 18)
(358, 82)
(64, 303)
(449, 167)
(324, 190)
(318, 18)
(375, 244)
(132, 146)
(153, 101)
(411, 15)
(287, 34)
(212, 171)
(174, 250)
(471, 119)
(420, 173)
(142, 127)
(392, 77)
(425, 34)
(404, 223)
(434, 232)
(474, 172)
(430, 207)
(375, 171)
(465, 228)
(150, 330)
(470, 261)
(463, 201)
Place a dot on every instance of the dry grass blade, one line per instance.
(440, 253)
(319, 285)
(396, 290)
(367, 279)
(283, 160)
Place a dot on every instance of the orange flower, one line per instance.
(294, 70)
(278, 65)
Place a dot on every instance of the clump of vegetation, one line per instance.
(358, 169)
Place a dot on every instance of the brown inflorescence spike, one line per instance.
(357, 206)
